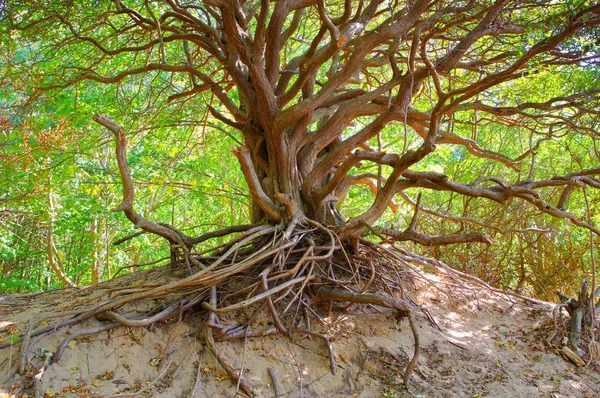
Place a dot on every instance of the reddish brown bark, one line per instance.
(317, 82)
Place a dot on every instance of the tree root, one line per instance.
(25, 349)
(325, 338)
(275, 382)
(61, 348)
(413, 362)
(329, 294)
(144, 321)
(281, 267)
(37, 379)
(147, 387)
(210, 344)
(241, 333)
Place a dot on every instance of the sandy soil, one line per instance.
(487, 347)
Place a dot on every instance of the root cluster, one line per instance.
(295, 273)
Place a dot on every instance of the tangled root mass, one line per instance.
(296, 273)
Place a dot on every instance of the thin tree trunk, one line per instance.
(96, 263)
(51, 250)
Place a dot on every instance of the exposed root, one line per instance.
(198, 382)
(144, 321)
(413, 362)
(240, 333)
(325, 338)
(147, 387)
(61, 348)
(37, 379)
(329, 294)
(25, 349)
(210, 344)
(292, 270)
(276, 387)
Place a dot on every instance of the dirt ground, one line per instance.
(488, 346)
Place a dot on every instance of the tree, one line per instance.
(324, 97)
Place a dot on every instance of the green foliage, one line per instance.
(51, 147)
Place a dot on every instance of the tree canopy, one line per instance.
(433, 122)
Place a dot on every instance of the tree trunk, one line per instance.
(96, 262)
(52, 252)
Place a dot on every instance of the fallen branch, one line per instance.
(572, 356)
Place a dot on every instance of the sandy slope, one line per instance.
(487, 347)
